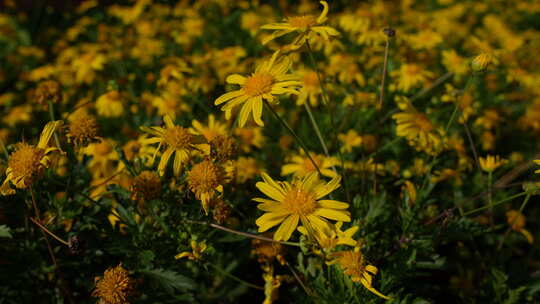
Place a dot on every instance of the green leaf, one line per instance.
(168, 280)
(5, 232)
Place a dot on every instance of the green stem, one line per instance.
(494, 204)
(317, 131)
(325, 98)
(525, 201)
(225, 273)
(298, 140)
(490, 196)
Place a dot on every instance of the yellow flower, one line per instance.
(104, 159)
(311, 88)
(204, 179)
(490, 163)
(301, 165)
(420, 132)
(332, 236)
(354, 265)
(110, 104)
(177, 140)
(211, 130)
(481, 62)
(115, 287)
(250, 136)
(454, 63)
(409, 76)
(350, 140)
(298, 201)
(269, 79)
(304, 26)
(247, 168)
(197, 250)
(517, 220)
(26, 164)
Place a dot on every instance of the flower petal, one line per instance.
(286, 228)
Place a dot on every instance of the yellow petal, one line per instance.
(331, 204)
(286, 228)
(270, 191)
(332, 214)
(228, 96)
(269, 220)
(236, 79)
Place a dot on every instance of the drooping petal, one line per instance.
(164, 160)
(47, 133)
(286, 228)
(257, 107)
(244, 113)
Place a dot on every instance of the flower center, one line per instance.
(311, 80)
(303, 22)
(299, 201)
(423, 123)
(25, 161)
(308, 164)
(177, 137)
(103, 148)
(204, 177)
(258, 84)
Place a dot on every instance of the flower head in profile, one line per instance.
(355, 265)
(269, 79)
(176, 140)
(26, 163)
(197, 251)
(304, 26)
(517, 220)
(299, 201)
(490, 163)
(115, 287)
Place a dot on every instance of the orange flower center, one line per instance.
(177, 137)
(103, 148)
(299, 201)
(303, 22)
(423, 123)
(311, 80)
(308, 164)
(258, 84)
(204, 177)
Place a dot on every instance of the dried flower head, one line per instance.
(82, 130)
(204, 179)
(145, 187)
(221, 211)
(223, 148)
(115, 287)
(267, 252)
(48, 90)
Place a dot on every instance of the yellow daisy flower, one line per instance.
(177, 140)
(298, 201)
(212, 130)
(304, 25)
(26, 164)
(300, 165)
(355, 265)
(204, 179)
(270, 79)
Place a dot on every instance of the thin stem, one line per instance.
(525, 201)
(298, 140)
(326, 101)
(304, 287)
(494, 204)
(237, 279)
(49, 232)
(471, 143)
(435, 84)
(383, 78)
(317, 131)
(246, 234)
(490, 196)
